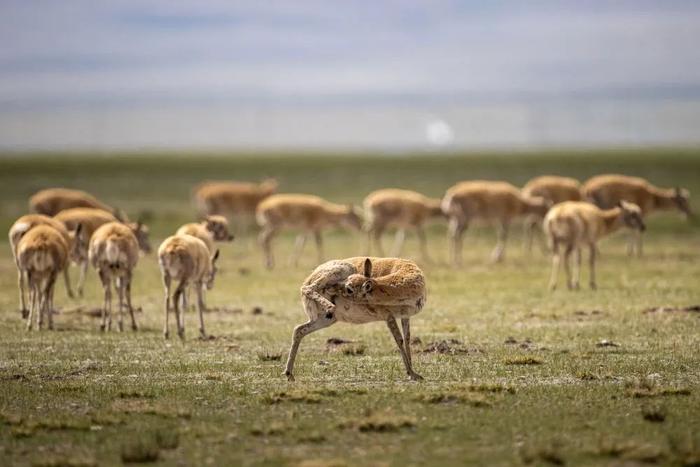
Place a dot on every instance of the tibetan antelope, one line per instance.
(361, 290)
(606, 191)
(308, 213)
(498, 202)
(51, 201)
(42, 253)
(212, 229)
(186, 259)
(114, 252)
(403, 209)
(552, 188)
(23, 225)
(90, 220)
(574, 224)
(235, 200)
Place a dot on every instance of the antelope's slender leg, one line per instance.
(399, 240)
(455, 231)
(200, 308)
(498, 252)
(81, 279)
(592, 251)
(32, 298)
(577, 268)
(66, 278)
(377, 235)
(322, 321)
(556, 261)
(406, 325)
(567, 265)
(319, 245)
(265, 239)
(107, 304)
(128, 302)
(179, 313)
(120, 291)
(21, 283)
(298, 249)
(166, 285)
(48, 291)
(394, 328)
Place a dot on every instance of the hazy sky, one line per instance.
(98, 59)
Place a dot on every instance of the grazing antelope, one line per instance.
(308, 213)
(90, 219)
(401, 208)
(235, 200)
(42, 253)
(361, 290)
(212, 229)
(606, 191)
(23, 225)
(552, 188)
(114, 252)
(575, 224)
(51, 201)
(498, 202)
(186, 259)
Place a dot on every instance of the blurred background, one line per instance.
(363, 75)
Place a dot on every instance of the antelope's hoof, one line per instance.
(134, 327)
(181, 335)
(594, 286)
(102, 327)
(121, 328)
(415, 377)
(166, 335)
(25, 313)
(289, 375)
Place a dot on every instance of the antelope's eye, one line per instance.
(348, 289)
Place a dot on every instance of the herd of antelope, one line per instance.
(73, 226)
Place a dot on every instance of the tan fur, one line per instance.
(188, 260)
(574, 224)
(23, 225)
(490, 201)
(605, 191)
(235, 200)
(552, 188)
(51, 201)
(210, 230)
(403, 209)
(42, 253)
(361, 290)
(114, 253)
(308, 213)
(89, 220)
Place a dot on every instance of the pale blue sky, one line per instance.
(69, 56)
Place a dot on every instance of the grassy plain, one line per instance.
(522, 376)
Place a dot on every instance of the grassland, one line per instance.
(520, 375)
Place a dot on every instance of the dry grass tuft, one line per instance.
(522, 360)
(380, 422)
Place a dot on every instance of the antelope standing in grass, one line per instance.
(186, 259)
(42, 253)
(553, 189)
(90, 220)
(403, 209)
(606, 191)
(212, 229)
(235, 200)
(114, 252)
(23, 225)
(361, 290)
(308, 213)
(497, 202)
(51, 201)
(574, 224)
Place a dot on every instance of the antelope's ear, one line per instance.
(368, 268)
(78, 230)
(216, 256)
